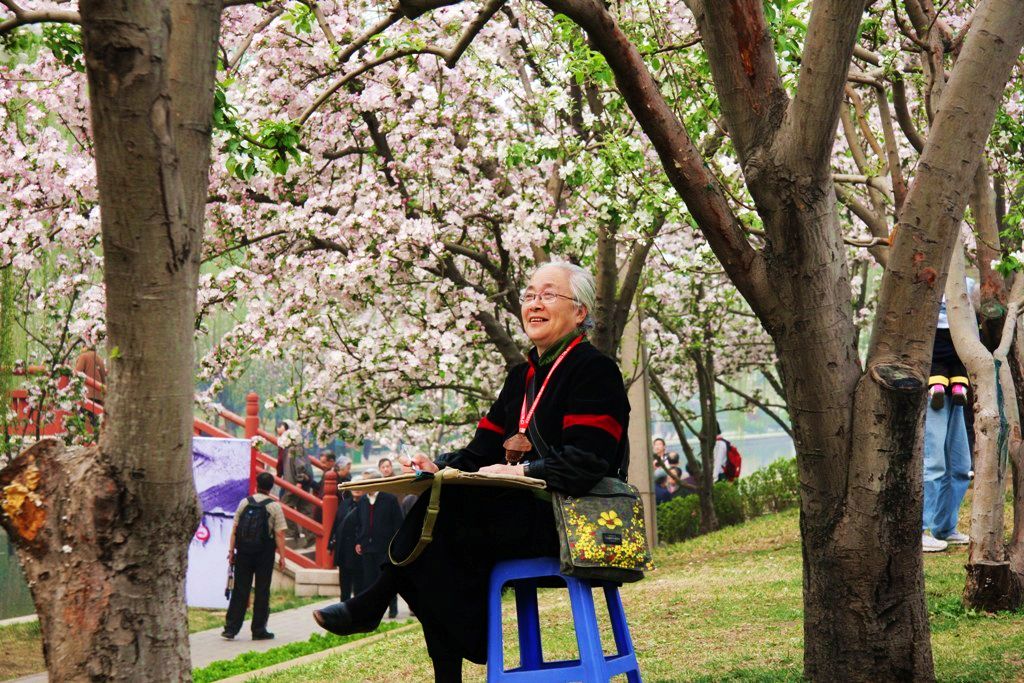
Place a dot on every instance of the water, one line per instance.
(758, 450)
(15, 600)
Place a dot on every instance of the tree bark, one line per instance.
(106, 548)
(704, 365)
(1016, 546)
(997, 433)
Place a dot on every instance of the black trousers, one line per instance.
(249, 566)
(447, 585)
(350, 579)
(371, 565)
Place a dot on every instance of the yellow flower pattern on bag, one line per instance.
(600, 537)
(610, 519)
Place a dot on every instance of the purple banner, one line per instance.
(221, 470)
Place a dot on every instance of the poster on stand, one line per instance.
(221, 470)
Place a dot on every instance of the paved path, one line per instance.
(290, 626)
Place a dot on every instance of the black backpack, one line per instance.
(253, 532)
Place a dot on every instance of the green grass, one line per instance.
(21, 650)
(721, 607)
(250, 661)
(21, 645)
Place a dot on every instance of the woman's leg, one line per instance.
(447, 669)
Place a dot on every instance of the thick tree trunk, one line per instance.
(107, 544)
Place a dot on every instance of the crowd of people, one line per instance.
(670, 481)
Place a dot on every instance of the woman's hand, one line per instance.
(514, 470)
(418, 462)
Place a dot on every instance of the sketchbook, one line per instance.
(418, 482)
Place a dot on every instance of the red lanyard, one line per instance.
(524, 415)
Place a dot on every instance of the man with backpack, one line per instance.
(258, 530)
(728, 460)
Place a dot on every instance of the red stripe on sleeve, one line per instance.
(605, 422)
(485, 423)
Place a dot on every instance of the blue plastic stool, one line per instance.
(593, 665)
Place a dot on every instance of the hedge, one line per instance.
(772, 489)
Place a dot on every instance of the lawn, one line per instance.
(723, 607)
(21, 645)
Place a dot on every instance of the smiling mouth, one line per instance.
(537, 320)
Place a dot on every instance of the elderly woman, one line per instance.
(566, 411)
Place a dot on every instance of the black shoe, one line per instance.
(265, 635)
(227, 635)
(338, 620)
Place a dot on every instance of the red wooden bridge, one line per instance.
(26, 422)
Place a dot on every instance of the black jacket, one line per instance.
(343, 534)
(387, 517)
(578, 431)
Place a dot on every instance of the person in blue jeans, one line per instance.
(947, 466)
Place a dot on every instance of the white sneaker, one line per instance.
(932, 545)
(957, 538)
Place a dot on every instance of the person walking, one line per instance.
(258, 530)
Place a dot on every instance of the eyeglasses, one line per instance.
(546, 298)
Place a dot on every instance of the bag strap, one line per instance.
(427, 534)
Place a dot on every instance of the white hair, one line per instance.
(581, 282)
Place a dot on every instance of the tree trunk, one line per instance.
(1016, 547)
(704, 364)
(997, 433)
(106, 535)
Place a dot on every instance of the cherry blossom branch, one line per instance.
(450, 56)
(366, 36)
(23, 17)
(240, 52)
(634, 269)
(246, 241)
(321, 20)
(685, 167)
(368, 66)
(765, 407)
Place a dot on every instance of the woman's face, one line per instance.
(545, 323)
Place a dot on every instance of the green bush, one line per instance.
(679, 518)
(772, 489)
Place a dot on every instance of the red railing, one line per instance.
(261, 462)
(27, 419)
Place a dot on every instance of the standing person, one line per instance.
(91, 365)
(293, 468)
(258, 529)
(661, 492)
(569, 403)
(658, 446)
(330, 461)
(343, 544)
(386, 467)
(947, 451)
(378, 516)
